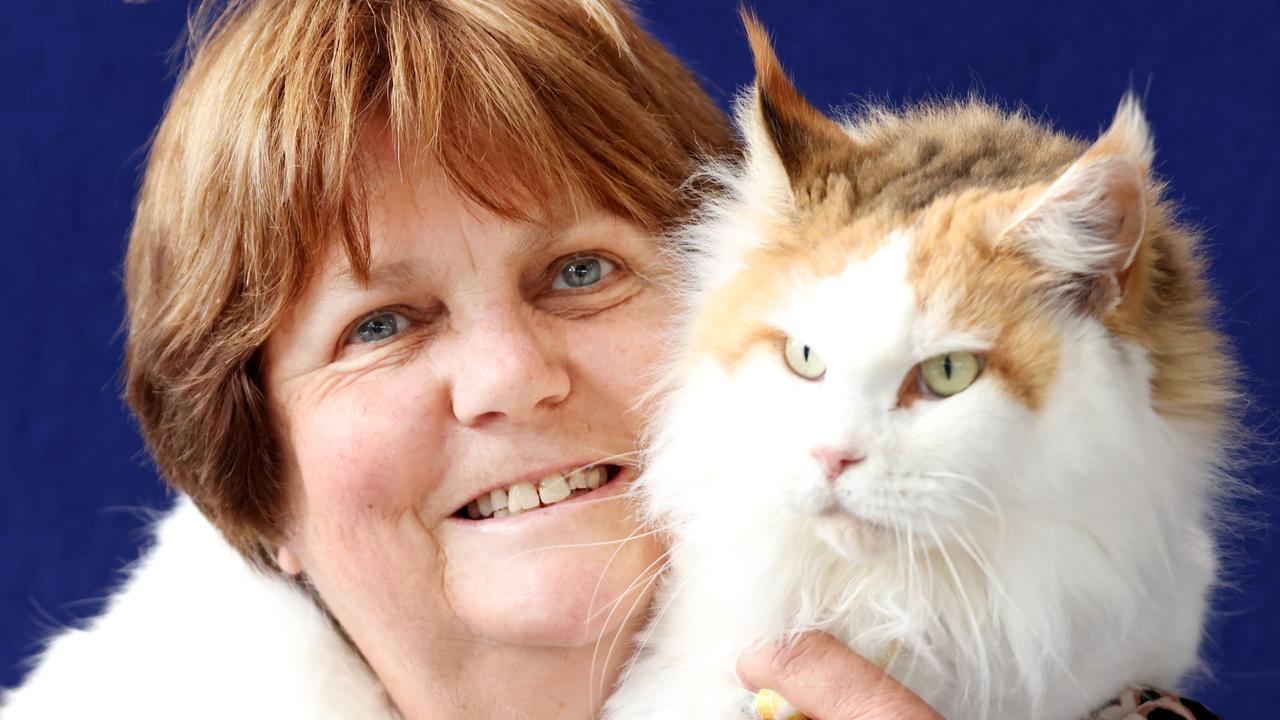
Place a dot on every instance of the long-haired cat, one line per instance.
(950, 393)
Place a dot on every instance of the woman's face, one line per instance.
(482, 354)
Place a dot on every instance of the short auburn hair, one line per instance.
(255, 172)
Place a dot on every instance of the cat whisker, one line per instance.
(595, 592)
(636, 534)
(601, 543)
(639, 578)
(979, 486)
(596, 689)
(612, 606)
(913, 587)
(647, 583)
(976, 640)
(989, 510)
(627, 458)
(631, 459)
(971, 547)
(994, 506)
(624, 495)
(653, 624)
(904, 535)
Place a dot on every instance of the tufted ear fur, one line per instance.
(791, 146)
(1089, 224)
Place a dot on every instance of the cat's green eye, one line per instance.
(949, 373)
(803, 360)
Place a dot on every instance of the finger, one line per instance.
(826, 681)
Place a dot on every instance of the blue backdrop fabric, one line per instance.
(83, 83)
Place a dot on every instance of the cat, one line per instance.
(950, 391)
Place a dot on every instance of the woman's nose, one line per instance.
(506, 368)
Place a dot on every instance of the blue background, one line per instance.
(83, 83)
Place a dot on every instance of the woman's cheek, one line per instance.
(631, 346)
(366, 464)
(364, 446)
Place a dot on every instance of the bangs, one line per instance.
(528, 108)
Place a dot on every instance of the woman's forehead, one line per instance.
(423, 225)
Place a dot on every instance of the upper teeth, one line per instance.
(524, 496)
(553, 489)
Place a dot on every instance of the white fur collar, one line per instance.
(195, 632)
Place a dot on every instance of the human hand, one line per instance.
(824, 680)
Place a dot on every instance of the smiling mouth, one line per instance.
(527, 496)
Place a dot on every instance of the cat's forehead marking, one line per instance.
(870, 309)
(873, 304)
(871, 296)
(960, 267)
(736, 317)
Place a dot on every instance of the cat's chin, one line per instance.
(854, 538)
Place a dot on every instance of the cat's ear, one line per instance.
(1089, 224)
(790, 145)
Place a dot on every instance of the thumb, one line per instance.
(826, 681)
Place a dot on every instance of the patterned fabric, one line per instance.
(1142, 702)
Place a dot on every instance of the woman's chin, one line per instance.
(563, 580)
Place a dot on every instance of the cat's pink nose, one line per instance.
(835, 460)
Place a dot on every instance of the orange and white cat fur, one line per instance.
(950, 393)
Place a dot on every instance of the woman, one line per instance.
(391, 263)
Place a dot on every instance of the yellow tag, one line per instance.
(772, 706)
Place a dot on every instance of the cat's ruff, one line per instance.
(195, 632)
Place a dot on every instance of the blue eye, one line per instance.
(378, 327)
(582, 272)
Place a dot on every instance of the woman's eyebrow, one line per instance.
(395, 274)
(535, 239)
(539, 238)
